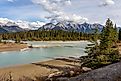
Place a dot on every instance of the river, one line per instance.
(46, 51)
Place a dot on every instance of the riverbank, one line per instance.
(12, 47)
(38, 69)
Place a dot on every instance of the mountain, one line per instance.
(7, 25)
(70, 26)
(2, 30)
(22, 24)
(12, 28)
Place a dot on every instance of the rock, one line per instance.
(54, 74)
(62, 79)
(86, 69)
(51, 75)
(108, 73)
(72, 73)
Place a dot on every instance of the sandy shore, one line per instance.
(36, 69)
(12, 47)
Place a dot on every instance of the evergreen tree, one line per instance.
(17, 40)
(0, 38)
(93, 47)
(106, 52)
(108, 38)
(119, 36)
(115, 36)
(108, 44)
(45, 35)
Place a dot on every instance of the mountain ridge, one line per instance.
(19, 26)
(69, 26)
(12, 28)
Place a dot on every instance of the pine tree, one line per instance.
(0, 38)
(119, 36)
(115, 36)
(93, 47)
(92, 50)
(106, 52)
(108, 38)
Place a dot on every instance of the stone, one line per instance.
(86, 69)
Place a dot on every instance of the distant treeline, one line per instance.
(45, 36)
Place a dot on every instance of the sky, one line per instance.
(92, 11)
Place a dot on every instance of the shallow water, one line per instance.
(49, 51)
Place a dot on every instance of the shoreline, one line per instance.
(11, 46)
(38, 69)
(4, 47)
(74, 58)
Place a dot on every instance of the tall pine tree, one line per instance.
(93, 47)
(105, 52)
(108, 38)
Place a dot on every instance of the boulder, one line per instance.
(86, 69)
(55, 74)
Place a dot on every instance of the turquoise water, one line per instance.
(47, 51)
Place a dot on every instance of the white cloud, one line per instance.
(22, 24)
(11, 0)
(67, 2)
(5, 20)
(37, 24)
(83, 8)
(107, 2)
(55, 8)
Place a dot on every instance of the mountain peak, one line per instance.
(70, 26)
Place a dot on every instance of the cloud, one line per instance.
(5, 20)
(11, 0)
(67, 2)
(55, 9)
(22, 24)
(107, 2)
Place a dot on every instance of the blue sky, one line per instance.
(90, 9)
(20, 10)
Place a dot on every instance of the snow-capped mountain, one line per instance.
(22, 24)
(12, 28)
(70, 26)
(7, 25)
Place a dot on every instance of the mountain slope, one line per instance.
(12, 28)
(2, 30)
(70, 26)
